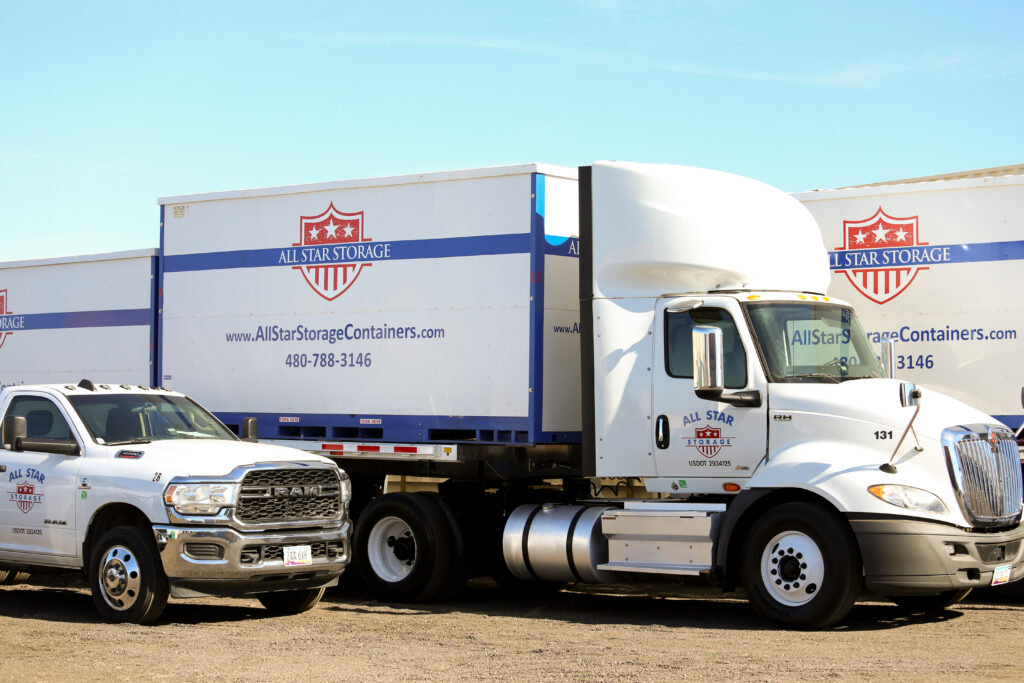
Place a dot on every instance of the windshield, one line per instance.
(812, 342)
(116, 419)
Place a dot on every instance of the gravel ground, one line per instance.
(52, 633)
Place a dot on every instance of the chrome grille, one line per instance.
(985, 466)
(286, 495)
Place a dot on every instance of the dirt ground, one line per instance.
(52, 633)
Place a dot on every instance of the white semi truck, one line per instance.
(530, 338)
(148, 495)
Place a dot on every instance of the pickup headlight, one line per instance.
(908, 497)
(200, 499)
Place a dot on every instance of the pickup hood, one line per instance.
(209, 457)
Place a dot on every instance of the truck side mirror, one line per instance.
(15, 428)
(888, 353)
(910, 396)
(249, 429)
(708, 354)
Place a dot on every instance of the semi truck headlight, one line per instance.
(200, 499)
(346, 489)
(908, 497)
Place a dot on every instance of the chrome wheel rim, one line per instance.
(120, 578)
(792, 568)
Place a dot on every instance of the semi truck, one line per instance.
(603, 374)
(530, 337)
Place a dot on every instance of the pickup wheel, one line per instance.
(801, 566)
(930, 603)
(126, 579)
(405, 545)
(291, 602)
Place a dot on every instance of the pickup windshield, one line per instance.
(812, 342)
(117, 419)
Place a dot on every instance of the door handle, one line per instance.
(661, 432)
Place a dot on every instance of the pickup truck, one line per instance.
(148, 495)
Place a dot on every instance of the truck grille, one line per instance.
(286, 495)
(985, 467)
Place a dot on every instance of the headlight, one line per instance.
(908, 497)
(200, 499)
(346, 490)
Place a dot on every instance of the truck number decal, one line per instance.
(883, 435)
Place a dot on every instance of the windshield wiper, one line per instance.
(816, 375)
(129, 441)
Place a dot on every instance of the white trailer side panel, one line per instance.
(62, 320)
(937, 266)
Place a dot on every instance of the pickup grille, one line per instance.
(985, 467)
(287, 495)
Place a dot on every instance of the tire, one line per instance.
(801, 566)
(930, 604)
(126, 578)
(10, 577)
(405, 545)
(291, 602)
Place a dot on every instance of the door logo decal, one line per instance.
(709, 441)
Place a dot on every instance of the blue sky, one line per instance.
(106, 106)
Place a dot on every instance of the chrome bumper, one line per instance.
(223, 561)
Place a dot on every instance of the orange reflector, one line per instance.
(731, 487)
(753, 297)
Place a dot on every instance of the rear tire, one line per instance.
(291, 602)
(930, 604)
(126, 578)
(801, 566)
(406, 548)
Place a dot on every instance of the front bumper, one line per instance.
(914, 557)
(220, 561)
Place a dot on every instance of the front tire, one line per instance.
(126, 579)
(801, 566)
(291, 602)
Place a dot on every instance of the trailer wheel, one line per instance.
(801, 566)
(291, 602)
(126, 578)
(929, 604)
(405, 549)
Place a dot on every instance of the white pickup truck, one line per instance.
(150, 496)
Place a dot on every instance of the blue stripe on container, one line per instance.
(957, 253)
(74, 319)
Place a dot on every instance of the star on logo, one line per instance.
(313, 232)
(860, 237)
(348, 230)
(332, 230)
(900, 235)
(880, 234)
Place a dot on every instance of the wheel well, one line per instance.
(741, 527)
(108, 517)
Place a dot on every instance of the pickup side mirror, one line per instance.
(249, 429)
(709, 370)
(15, 429)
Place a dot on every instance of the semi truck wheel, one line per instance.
(801, 566)
(126, 579)
(930, 603)
(291, 602)
(405, 548)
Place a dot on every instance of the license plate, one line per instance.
(297, 554)
(1001, 575)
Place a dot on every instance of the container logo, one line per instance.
(8, 321)
(331, 246)
(881, 255)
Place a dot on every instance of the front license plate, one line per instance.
(1001, 575)
(297, 554)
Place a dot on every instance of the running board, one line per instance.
(661, 538)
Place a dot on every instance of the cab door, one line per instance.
(694, 437)
(37, 499)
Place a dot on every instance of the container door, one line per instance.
(695, 437)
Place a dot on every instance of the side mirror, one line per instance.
(888, 353)
(910, 395)
(708, 373)
(249, 429)
(15, 428)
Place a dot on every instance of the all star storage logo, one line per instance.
(8, 321)
(25, 494)
(333, 251)
(709, 441)
(882, 255)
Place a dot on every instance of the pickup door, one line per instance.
(39, 492)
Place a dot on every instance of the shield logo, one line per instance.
(3, 311)
(708, 443)
(25, 497)
(330, 230)
(877, 282)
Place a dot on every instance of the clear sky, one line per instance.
(105, 106)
